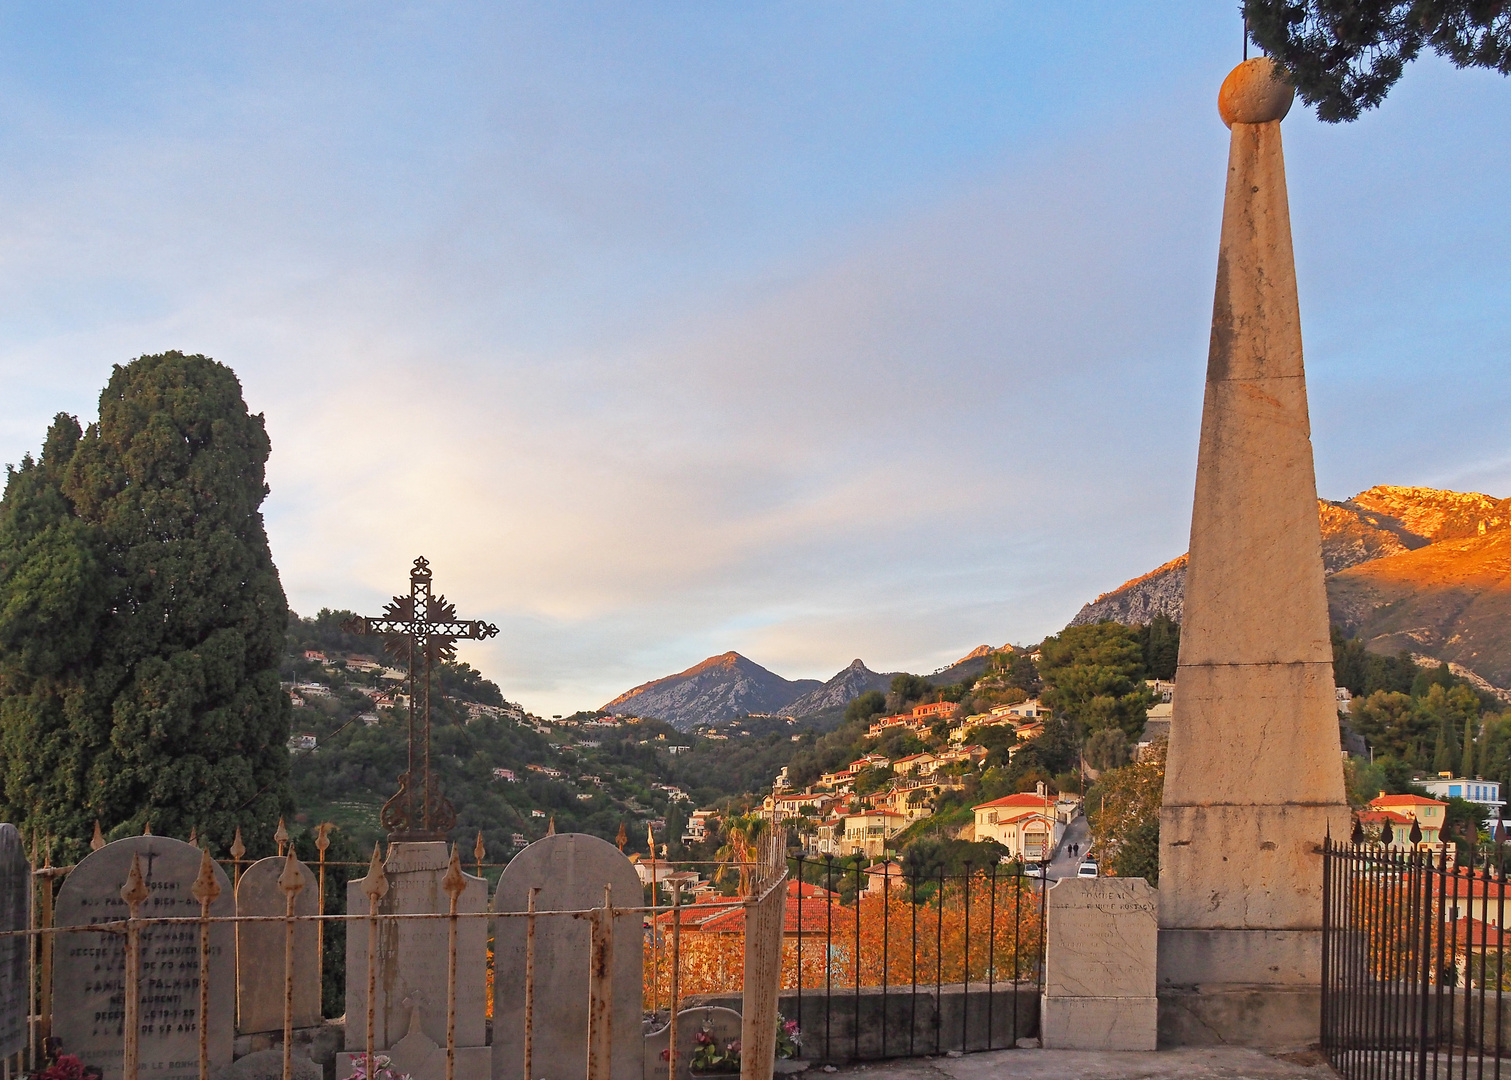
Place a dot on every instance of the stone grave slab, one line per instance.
(260, 950)
(89, 969)
(15, 895)
(571, 870)
(410, 1005)
(1099, 966)
(724, 1025)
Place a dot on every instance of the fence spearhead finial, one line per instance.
(99, 838)
(375, 884)
(323, 836)
(551, 826)
(477, 849)
(135, 889)
(454, 882)
(205, 888)
(291, 880)
(147, 828)
(281, 835)
(194, 836)
(238, 849)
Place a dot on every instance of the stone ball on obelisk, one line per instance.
(1254, 93)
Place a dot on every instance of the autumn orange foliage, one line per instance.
(899, 943)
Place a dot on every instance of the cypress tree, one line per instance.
(1468, 769)
(142, 619)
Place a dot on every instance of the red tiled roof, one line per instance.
(1404, 800)
(1022, 798)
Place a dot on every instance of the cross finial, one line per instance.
(421, 629)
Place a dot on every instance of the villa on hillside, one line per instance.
(1026, 824)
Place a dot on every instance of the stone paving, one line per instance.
(1215, 1063)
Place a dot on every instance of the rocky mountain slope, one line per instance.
(1410, 568)
(839, 691)
(719, 688)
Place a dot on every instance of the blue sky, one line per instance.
(813, 331)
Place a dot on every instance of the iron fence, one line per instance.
(1413, 950)
(871, 962)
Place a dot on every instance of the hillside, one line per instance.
(1450, 600)
(1408, 568)
(720, 688)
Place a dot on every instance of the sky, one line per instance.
(811, 331)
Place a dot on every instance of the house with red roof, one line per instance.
(1025, 823)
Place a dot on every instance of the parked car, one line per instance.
(1088, 868)
(1034, 869)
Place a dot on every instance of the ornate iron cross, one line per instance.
(422, 630)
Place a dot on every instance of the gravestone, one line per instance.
(15, 892)
(1102, 939)
(571, 870)
(722, 1025)
(260, 952)
(409, 1022)
(89, 969)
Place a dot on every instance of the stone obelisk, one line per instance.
(1254, 779)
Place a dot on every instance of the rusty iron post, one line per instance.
(45, 949)
(675, 998)
(322, 841)
(206, 890)
(238, 849)
(600, 987)
(281, 838)
(375, 885)
(291, 881)
(134, 892)
(478, 851)
(650, 840)
(454, 884)
(530, 983)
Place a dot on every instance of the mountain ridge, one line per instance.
(1420, 569)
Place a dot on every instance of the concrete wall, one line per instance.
(885, 1021)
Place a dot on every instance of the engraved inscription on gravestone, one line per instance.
(1099, 989)
(89, 968)
(261, 973)
(15, 891)
(571, 870)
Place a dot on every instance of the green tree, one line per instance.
(1094, 675)
(141, 617)
(861, 709)
(1344, 55)
(1467, 769)
(1160, 641)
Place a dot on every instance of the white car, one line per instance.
(1034, 869)
(1088, 868)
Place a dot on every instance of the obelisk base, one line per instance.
(1272, 1017)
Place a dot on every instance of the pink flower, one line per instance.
(703, 1038)
(666, 1055)
(790, 1027)
(734, 1047)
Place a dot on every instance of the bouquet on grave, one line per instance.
(709, 1057)
(382, 1068)
(57, 1065)
(789, 1039)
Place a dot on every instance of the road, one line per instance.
(1064, 864)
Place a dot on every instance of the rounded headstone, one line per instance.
(89, 966)
(1254, 93)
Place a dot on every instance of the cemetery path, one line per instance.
(1190, 1063)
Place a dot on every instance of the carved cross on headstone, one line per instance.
(422, 630)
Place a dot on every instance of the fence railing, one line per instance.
(874, 962)
(1413, 964)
